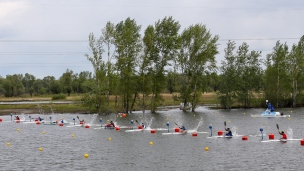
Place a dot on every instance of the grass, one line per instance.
(207, 98)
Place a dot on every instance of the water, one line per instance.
(132, 150)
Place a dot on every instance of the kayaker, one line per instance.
(111, 125)
(284, 136)
(183, 128)
(17, 118)
(229, 133)
(143, 125)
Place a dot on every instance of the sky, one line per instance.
(45, 38)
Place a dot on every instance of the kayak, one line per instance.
(281, 140)
(222, 136)
(267, 113)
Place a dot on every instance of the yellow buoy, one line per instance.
(228, 120)
(73, 135)
(288, 118)
(194, 115)
(167, 118)
(151, 143)
(43, 132)
(222, 116)
(206, 149)
(40, 149)
(86, 155)
(109, 139)
(244, 113)
(8, 144)
(18, 130)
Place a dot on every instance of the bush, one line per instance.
(58, 97)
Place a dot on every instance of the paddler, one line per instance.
(183, 128)
(229, 133)
(143, 125)
(17, 118)
(110, 125)
(284, 136)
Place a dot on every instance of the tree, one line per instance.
(163, 48)
(295, 69)
(66, 81)
(107, 38)
(128, 46)
(28, 81)
(277, 83)
(249, 72)
(96, 96)
(196, 59)
(228, 77)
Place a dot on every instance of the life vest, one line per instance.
(284, 136)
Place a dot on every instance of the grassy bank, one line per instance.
(75, 106)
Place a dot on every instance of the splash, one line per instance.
(93, 119)
(149, 123)
(290, 133)
(200, 123)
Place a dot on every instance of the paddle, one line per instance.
(225, 124)
(278, 127)
(78, 118)
(176, 124)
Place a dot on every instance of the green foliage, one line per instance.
(59, 97)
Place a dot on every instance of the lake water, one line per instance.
(133, 151)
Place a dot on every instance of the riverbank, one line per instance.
(45, 105)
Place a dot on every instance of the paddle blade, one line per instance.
(225, 123)
(278, 126)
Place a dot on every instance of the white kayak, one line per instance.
(281, 140)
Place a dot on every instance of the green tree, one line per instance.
(295, 69)
(128, 45)
(249, 72)
(196, 59)
(96, 96)
(28, 81)
(228, 77)
(163, 48)
(66, 81)
(277, 83)
(107, 38)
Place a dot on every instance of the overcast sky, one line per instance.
(47, 37)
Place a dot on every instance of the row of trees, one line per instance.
(137, 69)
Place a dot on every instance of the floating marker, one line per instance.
(220, 132)
(302, 142)
(73, 135)
(151, 143)
(153, 131)
(222, 116)
(117, 128)
(8, 144)
(61, 124)
(244, 138)
(0, 119)
(87, 126)
(86, 155)
(194, 134)
(18, 130)
(110, 139)
(40, 149)
(43, 132)
(177, 130)
(206, 149)
(194, 115)
(271, 136)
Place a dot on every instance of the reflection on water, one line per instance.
(132, 150)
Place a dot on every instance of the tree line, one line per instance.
(132, 69)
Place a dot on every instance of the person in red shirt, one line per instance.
(283, 135)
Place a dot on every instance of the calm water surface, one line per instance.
(132, 150)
